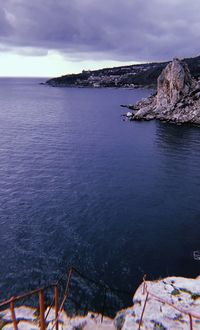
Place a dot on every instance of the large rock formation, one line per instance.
(177, 99)
(174, 83)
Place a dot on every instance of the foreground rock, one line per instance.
(177, 99)
(167, 308)
(28, 319)
(170, 303)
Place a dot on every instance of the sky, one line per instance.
(48, 38)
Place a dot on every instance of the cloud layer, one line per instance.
(127, 30)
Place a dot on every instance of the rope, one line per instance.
(72, 270)
(65, 297)
(49, 308)
(99, 284)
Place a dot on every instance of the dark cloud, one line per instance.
(141, 30)
(5, 27)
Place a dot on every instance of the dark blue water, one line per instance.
(78, 185)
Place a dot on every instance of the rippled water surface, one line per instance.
(78, 185)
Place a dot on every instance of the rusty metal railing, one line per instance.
(43, 314)
(40, 292)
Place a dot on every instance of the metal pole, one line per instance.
(144, 284)
(56, 305)
(42, 310)
(12, 309)
(141, 318)
(65, 294)
(191, 326)
(104, 305)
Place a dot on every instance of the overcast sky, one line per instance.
(54, 37)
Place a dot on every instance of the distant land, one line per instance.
(131, 76)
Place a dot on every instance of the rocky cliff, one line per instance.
(167, 304)
(177, 99)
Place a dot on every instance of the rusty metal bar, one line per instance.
(49, 309)
(56, 305)
(25, 295)
(141, 318)
(65, 295)
(66, 288)
(12, 310)
(191, 326)
(42, 310)
(144, 284)
(53, 301)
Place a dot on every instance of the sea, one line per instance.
(80, 186)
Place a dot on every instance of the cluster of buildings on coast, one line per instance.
(132, 76)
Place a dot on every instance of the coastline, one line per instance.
(177, 99)
(168, 303)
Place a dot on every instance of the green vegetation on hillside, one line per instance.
(140, 75)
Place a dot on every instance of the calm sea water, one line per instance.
(78, 185)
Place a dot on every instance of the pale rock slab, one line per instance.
(21, 313)
(179, 292)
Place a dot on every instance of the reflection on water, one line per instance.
(173, 136)
(180, 181)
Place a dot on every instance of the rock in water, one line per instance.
(174, 83)
(177, 99)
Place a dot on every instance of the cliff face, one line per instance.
(174, 83)
(167, 304)
(177, 99)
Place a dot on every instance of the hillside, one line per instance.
(140, 75)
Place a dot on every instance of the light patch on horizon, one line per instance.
(50, 65)
(66, 36)
(52, 38)
(17, 65)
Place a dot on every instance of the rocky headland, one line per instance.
(130, 76)
(177, 99)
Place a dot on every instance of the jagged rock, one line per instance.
(173, 84)
(182, 293)
(177, 99)
(91, 321)
(168, 305)
(22, 325)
